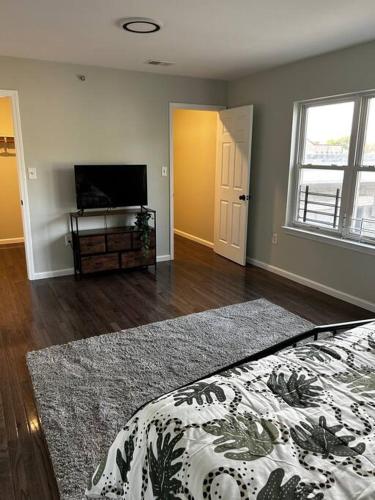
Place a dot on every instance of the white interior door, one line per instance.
(232, 182)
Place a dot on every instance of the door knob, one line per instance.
(244, 197)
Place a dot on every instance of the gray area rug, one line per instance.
(88, 389)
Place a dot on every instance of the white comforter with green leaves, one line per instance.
(295, 426)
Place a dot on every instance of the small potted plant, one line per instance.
(144, 229)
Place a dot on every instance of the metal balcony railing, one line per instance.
(312, 204)
(360, 229)
(323, 209)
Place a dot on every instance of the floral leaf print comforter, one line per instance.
(299, 425)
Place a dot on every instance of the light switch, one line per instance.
(164, 171)
(32, 173)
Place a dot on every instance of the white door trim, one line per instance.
(172, 107)
(22, 180)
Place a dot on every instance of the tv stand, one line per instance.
(112, 247)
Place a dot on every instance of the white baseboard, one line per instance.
(70, 270)
(194, 238)
(10, 241)
(163, 258)
(314, 284)
(53, 274)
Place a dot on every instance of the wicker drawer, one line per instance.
(117, 242)
(137, 243)
(137, 258)
(92, 244)
(97, 263)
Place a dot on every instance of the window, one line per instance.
(333, 174)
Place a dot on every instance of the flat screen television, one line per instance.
(110, 186)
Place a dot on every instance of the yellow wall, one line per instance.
(194, 140)
(10, 210)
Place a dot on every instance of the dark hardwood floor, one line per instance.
(46, 312)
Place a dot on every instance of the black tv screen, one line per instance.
(110, 186)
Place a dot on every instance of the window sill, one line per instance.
(330, 240)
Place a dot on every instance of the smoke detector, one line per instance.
(141, 25)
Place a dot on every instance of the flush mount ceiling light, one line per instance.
(142, 25)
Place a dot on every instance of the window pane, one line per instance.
(363, 222)
(328, 130)
(319, 197)
(369, 149)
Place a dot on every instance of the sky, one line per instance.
(329, 122)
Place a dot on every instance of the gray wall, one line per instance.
(273, 93)
(114, 116)
(119, 116)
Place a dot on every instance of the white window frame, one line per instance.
(351, 170)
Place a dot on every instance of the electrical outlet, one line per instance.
(68, 239)
(32, 173)
(164, 171)
(274, 238)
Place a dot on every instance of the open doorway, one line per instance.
(210, 177)
(14, 250)
(11, 230)
(194, 164)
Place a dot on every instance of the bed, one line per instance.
(295, 422)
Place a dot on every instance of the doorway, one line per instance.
(194, 163)
(14, 225)
(11, 231)
(209, 177)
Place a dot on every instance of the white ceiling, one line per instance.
(221, 39)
